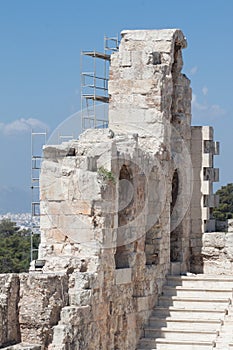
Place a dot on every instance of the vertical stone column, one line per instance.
(203, 149)
(141, 82)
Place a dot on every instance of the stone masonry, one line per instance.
(120, 209)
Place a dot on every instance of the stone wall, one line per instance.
(116, 271)
(9, 297)
(106, 198)
(42, 297)
(117, 211)
(30, 307)
(217, 251)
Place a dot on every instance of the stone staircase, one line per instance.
(194, 312)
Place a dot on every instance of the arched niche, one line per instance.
(126, 202)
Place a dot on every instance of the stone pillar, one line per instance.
(203, 149)
(141, 82)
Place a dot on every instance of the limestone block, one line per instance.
(207, 160)
(105, 159)
(55, 235)
(82, 298)
(115, 88)
(9, 322)
(207, 132)
(205, 213)
(56, 152)
(214, 239)
(144, 303)
(154, 35)
(114, 61)
(206, 187)
(41, 298)
(76, 227)
(123, 276)
(144, 86)
(74, 314)
(48, 221)
(163, 46)
(125, 59)
(24, 346)
(229, 245)
(84, 186)
(61, 334)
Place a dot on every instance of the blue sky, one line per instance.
(40, 44)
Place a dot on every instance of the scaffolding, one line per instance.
(94, 84)
(38, 139)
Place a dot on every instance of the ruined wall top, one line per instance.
(156, 36)
(146, 87)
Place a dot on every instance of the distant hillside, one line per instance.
(14, 200)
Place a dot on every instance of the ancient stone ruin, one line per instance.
(121, 209)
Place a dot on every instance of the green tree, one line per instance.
(225, 209)
(15, 245)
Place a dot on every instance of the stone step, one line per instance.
(23, 346)
(189, 313)
(185, 323)
(201, 281)
(193, 292)
(174, 334)
(194, 303)
(166, 344)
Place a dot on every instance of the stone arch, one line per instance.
(126, 203)
(175, 189)
(176, 234)
(177, 108)
(153, 228)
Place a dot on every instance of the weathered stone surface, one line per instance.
(217, 252)
(121, 208)
(9, 297)
(41, 295)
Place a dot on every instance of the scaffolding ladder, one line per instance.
(38, 139)
(94, 84)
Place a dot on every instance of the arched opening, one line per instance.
(176, 233)
(152, 237)
(176, 106)
(175, 189)
(126, 214)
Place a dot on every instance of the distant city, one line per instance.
(22, 220)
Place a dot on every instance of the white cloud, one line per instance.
(193, 70)
(204, 110)
(205, 90)
(22, 126)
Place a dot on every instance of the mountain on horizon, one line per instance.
(14, 200)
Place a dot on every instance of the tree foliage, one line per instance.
(225, 209)
(15, 246)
